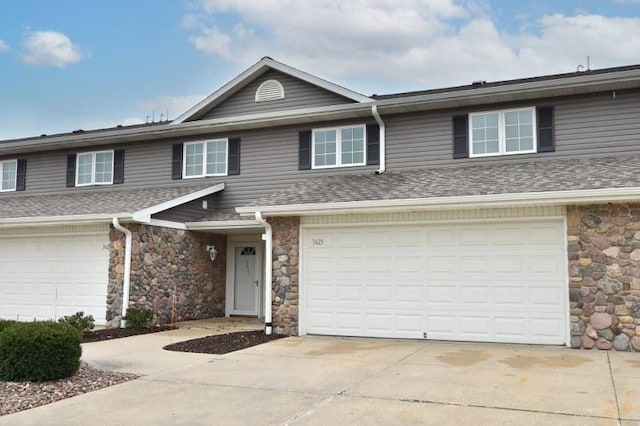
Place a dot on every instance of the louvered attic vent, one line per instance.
(270, 90)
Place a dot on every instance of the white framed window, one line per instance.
(205, 158)
(94, 168)
(338, 147)
(505, 132)
(8, 175)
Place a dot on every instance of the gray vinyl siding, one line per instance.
(188, 212)
(595, 125)
(297, 94)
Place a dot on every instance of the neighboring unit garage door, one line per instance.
(51, 276)
(490, 282)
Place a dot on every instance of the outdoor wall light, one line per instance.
(212, 252)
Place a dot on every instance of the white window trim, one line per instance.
(93, 167)
(204, 159)
(502, 145)
(15, 184)
(338, 147)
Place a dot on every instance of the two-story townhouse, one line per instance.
(495, 212)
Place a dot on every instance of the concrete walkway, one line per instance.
(327, 381)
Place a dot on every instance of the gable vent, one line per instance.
(270, 90)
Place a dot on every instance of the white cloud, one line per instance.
(414, 43)
(50, 49)
(4, 46)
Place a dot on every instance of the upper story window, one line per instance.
(205, 158)
(8, 175)
(94, 168)
(502, 132)
(269, 90)
(338, 147)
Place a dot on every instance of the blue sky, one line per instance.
(73, 64)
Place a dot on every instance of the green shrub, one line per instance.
(39, 351)
(136, 317)
(79, 321)
(6, 323)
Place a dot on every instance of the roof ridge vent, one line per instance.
(270, 90)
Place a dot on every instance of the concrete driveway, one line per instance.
(328, 381)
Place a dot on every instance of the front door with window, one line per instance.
(246, 280)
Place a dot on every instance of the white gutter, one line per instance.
(61, 220)
(451, 203)
(383, 132)
(127, 269)
(268, 276)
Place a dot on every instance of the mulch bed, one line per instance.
(223, 343)
(117, 333)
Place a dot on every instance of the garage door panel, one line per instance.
(477, 282)
(475, 325)
(474, 264)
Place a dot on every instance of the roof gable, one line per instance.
(243, 87)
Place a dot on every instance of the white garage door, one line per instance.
(48, 277)
(491, 282)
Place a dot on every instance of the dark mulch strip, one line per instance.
(117, 333)
(223, 343)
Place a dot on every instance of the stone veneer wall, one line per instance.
(166, 261)
(285, 274)
(604, 276)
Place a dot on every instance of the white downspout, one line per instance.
(383, 132)
(127, 269)
(268, 273)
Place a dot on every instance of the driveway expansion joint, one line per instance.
(613, 383)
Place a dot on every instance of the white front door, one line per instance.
(246, 279)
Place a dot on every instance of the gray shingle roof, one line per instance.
(470, 180)
(82, 202)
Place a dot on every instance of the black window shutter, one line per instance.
(176, 162)
(21, 175)
(460, 136)
(233, 164)
(546, 139)
(373, 144)
(71, 170)
(118, 166)
(304, 150)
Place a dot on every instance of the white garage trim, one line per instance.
(436, 216)
(98, 228)
(561, 275)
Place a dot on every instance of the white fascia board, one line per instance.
(221, 224)
(13, 222)
(144, 215)
(451, 203)
(258, 68)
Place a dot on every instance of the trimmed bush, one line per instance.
(79, 321)
(39, 351)
(6, 323)
(139, 317)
